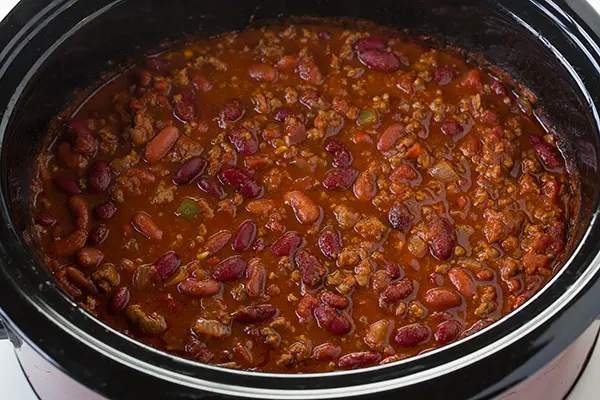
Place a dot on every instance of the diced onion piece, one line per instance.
(443, 171)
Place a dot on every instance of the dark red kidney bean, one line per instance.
(217, 241)
(281, 114)
(98, 235)
(256, 278)
(230, 269)
(412, 335)
(295, 133)
(309, 71)
(342, 157)
(444, 75)
(397, 291)
(330, 242)
(77, 127)
(185, 107)
(167, 264)
(243, 140)
(332, 321)
(190, 170)
(546, 153)
(287, 244)
(79, 209)
(259, 245)
(233, 110)
(441, 238)
(499, 89)
(144, 224)
(369, 43)
(105, 211)
(326, 352)
(379, 60)
(340, 178)
(89, 257)
(67, 185)
(69, 244)
(393, 270)
(311, 271)
(476, 327)
(158, 64)
(451, 127)
(99, 177)
(45, 219)
(119, 299)
(358, 360)
(442, 298)
(334, 300)
(305, 307)
(324, 35)
(196, 350)
(253, 314)
(262, 72)
(447, 332)
(211, 187)
(245, 236)
(204, 288)
(240, 180)
(399, 217)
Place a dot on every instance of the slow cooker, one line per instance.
(54, 52)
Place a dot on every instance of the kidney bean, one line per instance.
(144, 224)
(67, 185)
(332, 321)
(259, 245)
(546, 153)
(243, 140)
(68, 245)
(334, 300)
(311, 271)
(379, 60)
(306, 210)
(412, 335)
(447, 332)
(185, 106)
(79, 279)
(282, 114)
(450, 127)
(330, 242)
(326, 352)
(70, 159)
(211, 187)
(105, 211)
(295, 132)
(462, 281)
(88, 257)
(240, 180)
(444, 75)
(287, 244)
(309, 71)
(256, 278)
(119, 299)
(287, 63)
(365, 187)
(397, 291)
(342, 157)
(476, 327)
(441, 238)
(400, 218)
(442, 299)
(388, 138)
(393, 270)
(340, 178)
(217, 241)
(190, 170)
(436, 279)
(245, 236)
(204, 288)
(167, 264)
(253, 314)
(369, 43)
(77, 127)
(262, 72)
(358, 360)
(229, 269)
(161, 144)
(78, 206)
(233, 110)
(86, 145)
(499, 89)
(98, 235)
(99, 177)
(45, 219)
(196, 350)
(305, 307)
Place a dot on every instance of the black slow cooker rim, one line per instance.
(21, 298)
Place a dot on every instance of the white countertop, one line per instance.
(14, 386)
